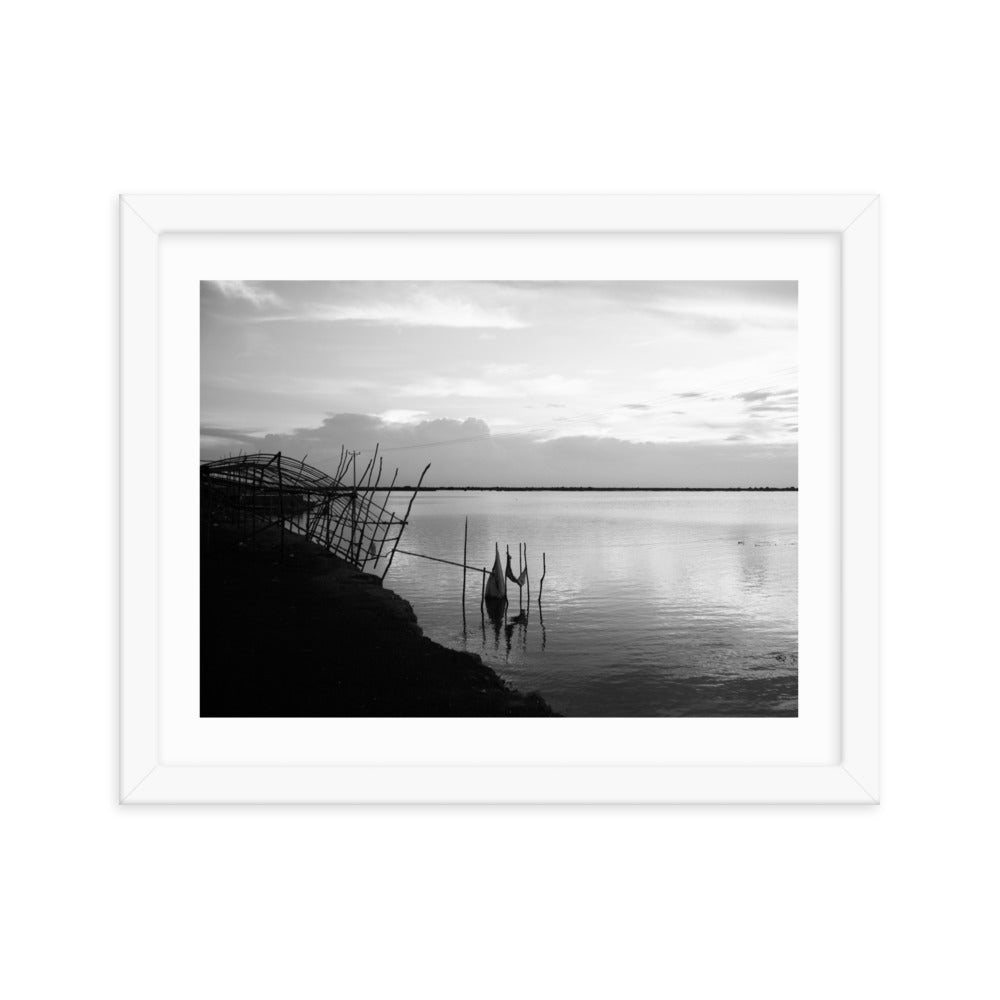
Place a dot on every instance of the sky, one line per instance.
(617, 383)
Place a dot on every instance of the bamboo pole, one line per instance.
(541, 583)
(406, 518)
(520, 570)
(253, 503)
(482, 607)
(385, 533)
(371, 468)
(354, 516)
(369, 551)
(336, 539)
(369, 502)
(281, 507)
(465, 559)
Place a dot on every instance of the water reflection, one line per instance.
(676, 604)
(497, 612)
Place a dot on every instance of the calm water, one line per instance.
(653, 603)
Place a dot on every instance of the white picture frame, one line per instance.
(146, 778)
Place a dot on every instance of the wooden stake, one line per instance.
(520, 570)
(541, 583)
(354, 514)
(406, 518)
(465, 559)
(281, 507)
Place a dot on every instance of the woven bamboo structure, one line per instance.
(345, 512)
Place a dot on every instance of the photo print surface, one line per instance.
(501, 498)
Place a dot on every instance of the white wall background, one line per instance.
(898, 900)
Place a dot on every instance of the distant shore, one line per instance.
(598, 489)
(308, 635)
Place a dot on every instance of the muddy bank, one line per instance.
(308, 635)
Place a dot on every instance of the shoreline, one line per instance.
(310, 636)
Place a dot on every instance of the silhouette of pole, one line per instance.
(522, 572)
(406, 519)
(354, 493)
(281, 507)
(465, 559)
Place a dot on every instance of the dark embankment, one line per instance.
(311, 636)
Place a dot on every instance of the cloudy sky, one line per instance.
(621, 383)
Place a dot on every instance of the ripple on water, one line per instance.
(653, 603)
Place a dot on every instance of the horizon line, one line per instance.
(605, 489)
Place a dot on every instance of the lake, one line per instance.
(654, 603)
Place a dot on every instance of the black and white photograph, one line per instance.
(499, 498)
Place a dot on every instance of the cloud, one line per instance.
(402, 416)
(762, 408)
(419, 309)
(502, 384)
(473, 388)
(554, 385)
(467, 453)
(697, 322)
(691, 307)
(718, 319)
(286, 354)
(225, 434)
(782, 294)
(441, 305)
(248, 291)
(760, 395)
(764, 403)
